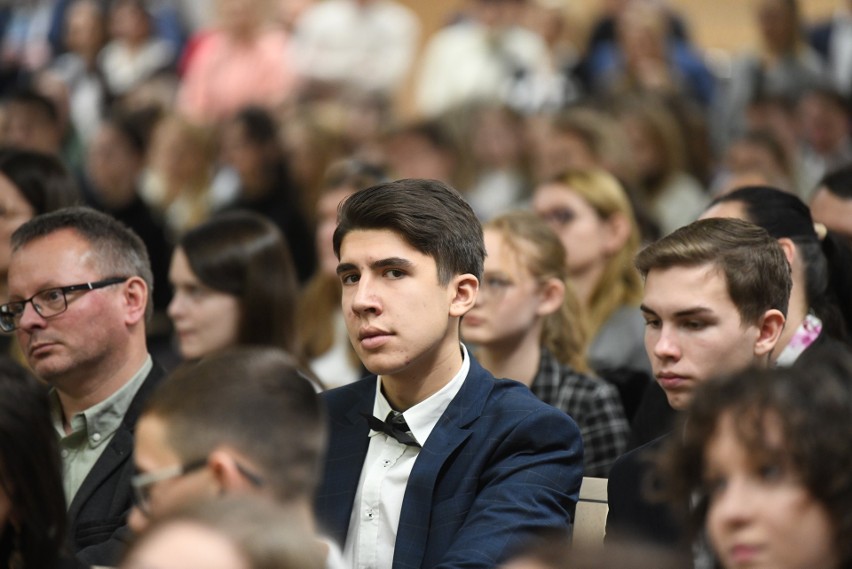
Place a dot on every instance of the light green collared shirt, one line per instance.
(91, 430)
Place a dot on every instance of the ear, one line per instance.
(135, 300)
(551, 295)
(770, 327)
(223, 466)
(789, 249)
(463, 289)
(618, 232)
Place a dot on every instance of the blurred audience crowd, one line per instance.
(225, 133)
(166, 112)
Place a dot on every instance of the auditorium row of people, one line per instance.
(792, 129)
(431, 461)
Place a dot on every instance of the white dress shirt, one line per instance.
(378, 501)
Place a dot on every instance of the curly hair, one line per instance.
(810, 406)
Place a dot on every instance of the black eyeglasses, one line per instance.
(142, 483)
(48, 303)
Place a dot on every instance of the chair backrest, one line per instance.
(591, 511)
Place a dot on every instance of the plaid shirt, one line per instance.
(594, 405)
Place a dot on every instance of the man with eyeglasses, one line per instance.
(243, 421)
(79, 287)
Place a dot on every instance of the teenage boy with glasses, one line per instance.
(244, 421)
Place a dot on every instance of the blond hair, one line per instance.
(564, 333)
(620, 284)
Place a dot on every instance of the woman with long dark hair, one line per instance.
(234, 284)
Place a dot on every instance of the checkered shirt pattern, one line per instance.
(594, 405)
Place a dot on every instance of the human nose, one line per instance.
(30, 318)
(665, 345)
(365, 297)
(731, 507)
(176, 305)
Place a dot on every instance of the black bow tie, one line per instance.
(395, 426)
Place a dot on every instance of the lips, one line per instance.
(372, 338)
(668, 380)
(742, 555)
(39, 348)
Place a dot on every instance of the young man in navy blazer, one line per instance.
(465, 466)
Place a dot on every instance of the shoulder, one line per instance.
(504, 403)
(512, 408)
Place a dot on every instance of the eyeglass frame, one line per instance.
(94, 285)
(142, 483)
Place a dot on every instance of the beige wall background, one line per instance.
(723, 24)
(726, 25)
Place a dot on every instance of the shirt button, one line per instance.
(386, 462)
(96, 437)
(65, 453)
(368, 514)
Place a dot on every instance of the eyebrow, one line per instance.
(697, 311)
(380, 264)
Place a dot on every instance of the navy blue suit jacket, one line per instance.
(499, 465)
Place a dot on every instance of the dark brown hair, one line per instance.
(812, 408)
(429, 215)
(756, 271)
(245, 255)
(30, 471)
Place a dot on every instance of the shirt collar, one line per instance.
(102, 419)
(423, 417)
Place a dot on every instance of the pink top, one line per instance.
(223, 76)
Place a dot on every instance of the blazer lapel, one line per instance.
(118, 451)
(449, 433)
(346, 453)
(120, 448)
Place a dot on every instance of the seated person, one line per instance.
(432, 462)
(763, 457)
(716, 292)
(217, 427)
(527, 325)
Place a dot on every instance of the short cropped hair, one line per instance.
(255, 400)
(811, 406)
(429, 215)
(757, 273)
(118, 250)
